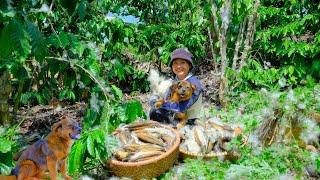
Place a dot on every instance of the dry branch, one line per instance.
(269, 128)
(214, 56)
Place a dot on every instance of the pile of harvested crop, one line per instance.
(208, 138)
(142, 141)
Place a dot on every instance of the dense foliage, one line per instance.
(95, 51)
(286, 46)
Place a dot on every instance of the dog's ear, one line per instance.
(56, 126)
(174, 86)
(194, 87)
(64, 118)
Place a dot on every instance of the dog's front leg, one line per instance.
(182, 118)
(52, 167)
(63, 170)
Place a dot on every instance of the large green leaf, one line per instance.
(96, 142)
(5, 145)
(134, 110)
(59, 41)
(20, 38)
(6, 43)
(76, 157)
(39, 45)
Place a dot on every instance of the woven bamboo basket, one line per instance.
(185, 154)
(315, 116)
(149, 168)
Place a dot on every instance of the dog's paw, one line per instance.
(179, 126)
(159, 103)
(66, 177)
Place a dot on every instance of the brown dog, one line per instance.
(48, 154)
(180, 91)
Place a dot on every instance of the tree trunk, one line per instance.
(6, 89)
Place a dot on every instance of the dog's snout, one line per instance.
(183, 89)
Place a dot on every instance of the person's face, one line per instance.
(180, 68)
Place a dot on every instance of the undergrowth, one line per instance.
(275, 161)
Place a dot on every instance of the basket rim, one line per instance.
(175, 146)
(216, 154)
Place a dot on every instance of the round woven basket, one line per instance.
(185, 154)
(149, 168)
(315, 116)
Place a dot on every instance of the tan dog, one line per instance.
(180, 91)
(48, 154)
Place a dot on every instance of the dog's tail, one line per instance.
(154, 79)
(158, 84)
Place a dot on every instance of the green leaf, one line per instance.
(119, 70)
(90, 145)
(64, 39)
(134, 110)
(77, 47)
(39, 45)
(19, 71)
(20, 38)
(82, 7)
(99, 136)
(5, 145)
(4, 169)
(67, 94)
(291, 69)
(316, 65)
(117, 92)
(291, 51)
(93, 66)
(76, 157)
(6, 42)
(96, 143)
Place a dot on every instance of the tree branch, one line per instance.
(92, 77)
(214, 56)
(215, 19)
(225, 16)
(238, 44)
(249, 35)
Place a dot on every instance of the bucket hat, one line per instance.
(181, 53)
